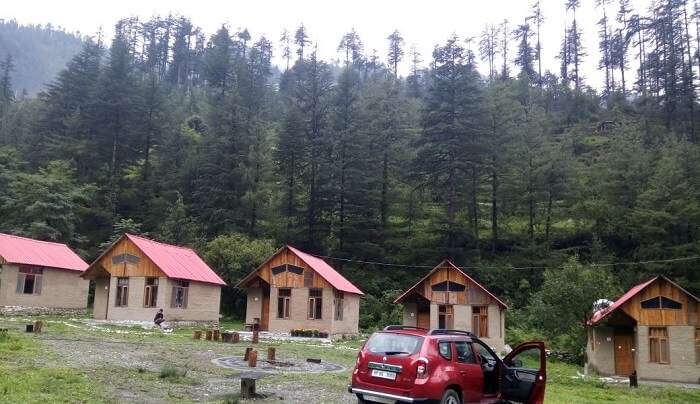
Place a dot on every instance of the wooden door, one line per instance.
(265, 315)
(624, 356)
(423, 319)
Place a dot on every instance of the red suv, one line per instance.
(410, 364)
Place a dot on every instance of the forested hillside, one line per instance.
(534, 181)
(37, 53)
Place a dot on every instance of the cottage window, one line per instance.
(661, 302)
(445, 317)
(150, 293)
(29, 281)
(283, 299)
(122, 297)
(480, 321)
(658, 345)
(338, 303)
(179, 297)
(315, 304)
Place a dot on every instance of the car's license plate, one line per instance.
(383, 374)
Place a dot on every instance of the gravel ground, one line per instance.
(129, 369)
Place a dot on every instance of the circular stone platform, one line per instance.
(285, 365)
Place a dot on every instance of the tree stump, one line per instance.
(236, 338)
(256, 337)
(197, 334)
(247, 387)
(247, 353)
(271, 354)
(215, 335)
(30, 328)
(38, 326)
(226, 336)
(209, 335)
(253, 359)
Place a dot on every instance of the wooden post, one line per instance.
(256, 337)
(271, 354)
(247, 353)
(209, 335)
(633, 380)
(216, 335)
(197, 334)
(253, 359)
(30, 328)
(226, 336)
(37, 326)
(247, 387)
(236, 338)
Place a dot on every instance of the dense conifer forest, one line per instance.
(548, 191)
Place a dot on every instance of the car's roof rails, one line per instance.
(443, 331)
(403, 327)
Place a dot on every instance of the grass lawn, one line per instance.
(74, 360)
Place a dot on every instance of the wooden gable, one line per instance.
(286, 270)
(124, 259)
(447, 285)
(687, 314)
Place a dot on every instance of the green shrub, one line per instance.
(171, 373)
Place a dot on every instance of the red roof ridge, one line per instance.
(176, 262)
(160, 242)
(349, 287)
(33, 239)
(50, 254)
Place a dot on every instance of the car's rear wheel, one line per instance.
(450, 397)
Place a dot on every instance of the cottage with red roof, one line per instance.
(449, 298)
(295, 290)
(653, 330)
(136, 276)
(40, 276)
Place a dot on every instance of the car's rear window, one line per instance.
(394, 344)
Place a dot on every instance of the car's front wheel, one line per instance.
(450, 397)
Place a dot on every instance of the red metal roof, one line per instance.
(448, 262)
(176, 262)
(27, 251)
(599, 315)
(327, 272)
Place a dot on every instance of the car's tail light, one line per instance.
(357, 364)
(422, 368)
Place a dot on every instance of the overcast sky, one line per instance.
(423, 23)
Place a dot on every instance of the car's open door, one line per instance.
(524, 374)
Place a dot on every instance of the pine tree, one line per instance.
(395, 53)
(352, 46)
(452, 132)
(301, 39)
(524, 56)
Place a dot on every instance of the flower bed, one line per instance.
(308, 333)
